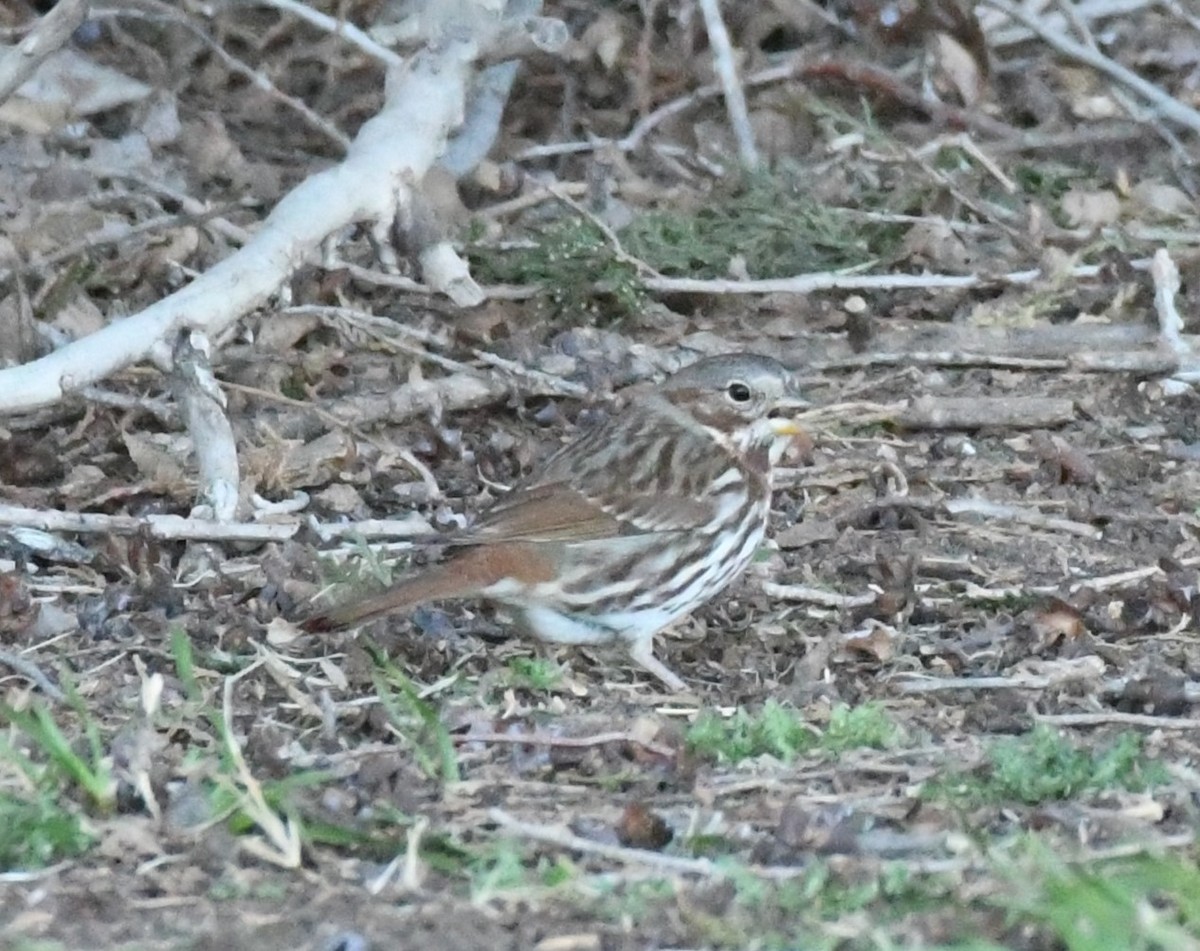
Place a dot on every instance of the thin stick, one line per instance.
(415, 526)
(564, 742)
(1165, 274)
(603, 227)
(259, 79)
(1176, 9)
(1146, 363)
(564, 838)
(392, 150)
(1167, 105)
(964, 141)
(797, 284)
(833, 280)
(704, 868)
(546, 382)
(156, 526)
(203, 408)
(338, 27)
(178, 527)
(643, 127)
(534, 197)
(826, 599)
(162, 410)
(1116, 716)
(47, 36)
(1012, 513)
(424, 473)
(104, 237)
(735, 98)
(1078, 21)
(960, 412)
(31, 671)
(1087, 668)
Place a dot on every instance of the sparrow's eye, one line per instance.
(738, 392)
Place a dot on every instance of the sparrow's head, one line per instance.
(745, 400)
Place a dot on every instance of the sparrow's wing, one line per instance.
(554, 512)
(634, 474)
(565, 513)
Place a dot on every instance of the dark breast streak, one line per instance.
(704, 558)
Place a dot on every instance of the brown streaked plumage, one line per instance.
(630, 527)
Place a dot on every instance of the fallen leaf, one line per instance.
(281, 632)
(1090, 209)
(65, 87)
(1161, 200)
(641, 828)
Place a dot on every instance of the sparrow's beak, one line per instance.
(785, 427)
(780, 416)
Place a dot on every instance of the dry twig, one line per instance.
(33, 673)
(1167, 106)
(1116, 716)
(203, 406)
(1013, 513)
(156, 526)
(49, 34)
(977, 412)
(338, 26)
(392, 151)
(735, 98)
(1087, 668)
(678, 864)
(566, 742)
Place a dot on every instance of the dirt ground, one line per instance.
(971, 647)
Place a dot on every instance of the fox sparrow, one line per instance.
(633, 525)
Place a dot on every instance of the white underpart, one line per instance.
(727, 506)
(646, 615)
(729, 477)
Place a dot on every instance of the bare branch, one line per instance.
(1167, 105)
(156, 526)
(1023, 516)
(48, 35)
(735, 98)
(392, 152)
(977, 412)
(203, 406)
(338, 27)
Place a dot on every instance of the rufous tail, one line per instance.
(435, 584)
(466, 575)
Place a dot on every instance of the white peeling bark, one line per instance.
(392, 152)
